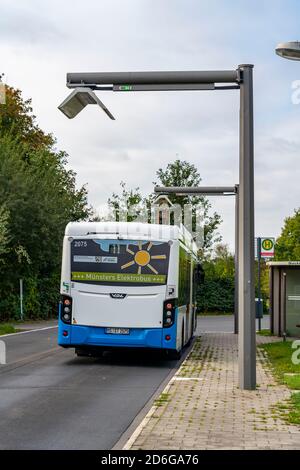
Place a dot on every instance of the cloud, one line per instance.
(26, 24)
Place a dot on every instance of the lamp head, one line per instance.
(289, 50)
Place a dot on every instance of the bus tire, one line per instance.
(174, 354)
(95, 352)
(82, 352)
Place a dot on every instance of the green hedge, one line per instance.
(40, 298)
(216, 295)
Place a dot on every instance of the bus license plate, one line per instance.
(117, 331)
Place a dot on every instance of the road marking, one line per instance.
(185, 378)
(29, 359)
(29, 331)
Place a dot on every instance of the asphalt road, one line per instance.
(219, 323)
(50, 399)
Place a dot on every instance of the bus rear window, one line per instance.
(119, 262)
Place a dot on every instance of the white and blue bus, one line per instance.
(127, 285)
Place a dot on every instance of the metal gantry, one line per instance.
(241, 79)
(215, 191)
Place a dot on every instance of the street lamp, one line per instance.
(289, 50)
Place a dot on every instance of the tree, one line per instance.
(287, 246)
(178, 173)
(182, 173)
(216, 294)
(129, 205)
(38, 197)
(223, 262)
(18, 120)
(4, 231)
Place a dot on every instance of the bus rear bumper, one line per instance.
(76, 335)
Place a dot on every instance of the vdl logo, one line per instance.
(117, 295)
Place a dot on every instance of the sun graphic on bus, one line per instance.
(142, 258)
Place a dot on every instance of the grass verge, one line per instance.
(217, 313)
(264, 332)
(286, 372)
(6, 328)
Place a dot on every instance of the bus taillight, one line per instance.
(66, 309)
(169, 312)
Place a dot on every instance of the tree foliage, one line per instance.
(129, 205)
(38, 198)
(4, 231)
(182, 173)
(287, 246)
(18, 121)
(178, 173)
(216, 294)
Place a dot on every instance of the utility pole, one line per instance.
(236, 262)
(21, 300)
(247, 330)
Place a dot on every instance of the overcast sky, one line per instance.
(41, 41)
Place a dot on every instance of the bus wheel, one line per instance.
(89, 352)
(174, 354)
(83, 352)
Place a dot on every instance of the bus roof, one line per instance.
(136, 230)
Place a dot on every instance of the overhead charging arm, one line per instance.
(78, 100)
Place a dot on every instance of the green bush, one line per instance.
(216, 295)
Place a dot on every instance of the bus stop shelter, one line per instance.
(285, 298)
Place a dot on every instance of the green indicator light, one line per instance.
(125, 87)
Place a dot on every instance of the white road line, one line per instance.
(28, 331)
(185, 378)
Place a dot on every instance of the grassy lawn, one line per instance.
(6, 328)
(280, 356)
(205, 314)
(264, 332)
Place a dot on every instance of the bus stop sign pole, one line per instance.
(240, 78)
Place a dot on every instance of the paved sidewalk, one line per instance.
(203, 408)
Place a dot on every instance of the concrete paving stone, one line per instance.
(214, 413)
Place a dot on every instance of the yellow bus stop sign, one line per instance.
(267, 247)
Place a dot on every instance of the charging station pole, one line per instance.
(242, 79)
